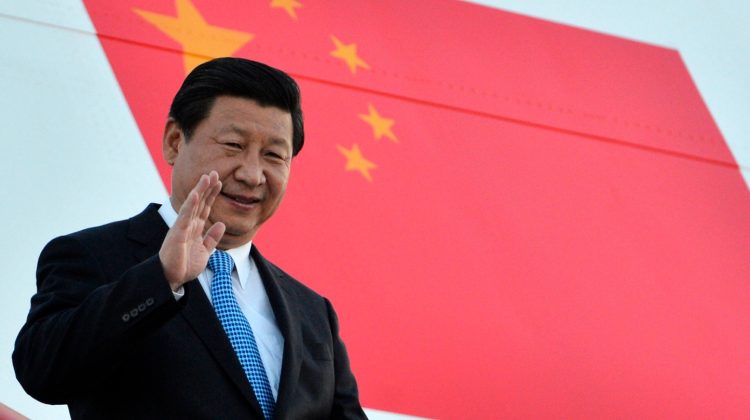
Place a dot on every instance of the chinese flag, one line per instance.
(513, 218)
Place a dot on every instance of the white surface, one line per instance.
(68, 165)
(73, 155)
(713, 39)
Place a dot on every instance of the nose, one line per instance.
(250, 171)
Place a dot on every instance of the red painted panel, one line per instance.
(560, 230)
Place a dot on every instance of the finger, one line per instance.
(200, 189)
(212, 179)
(213, 193)
(214, 235)
(186, 210)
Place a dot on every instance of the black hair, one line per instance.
(238, 77)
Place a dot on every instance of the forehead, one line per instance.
(246, 117)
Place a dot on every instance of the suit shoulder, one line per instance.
(287, 281)
(290, 282)
(104, 236)
(92, 238)
(101, 231)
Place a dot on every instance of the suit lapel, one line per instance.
(202, 318)
(287, 318)
(149, 229)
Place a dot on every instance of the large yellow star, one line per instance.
(356, 162)
(348, 53)
(200, 41)
(288, 5)
(380, 126)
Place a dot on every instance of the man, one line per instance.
(143, 318)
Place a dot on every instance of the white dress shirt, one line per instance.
(253, 301)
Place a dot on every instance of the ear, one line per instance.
(172, 141)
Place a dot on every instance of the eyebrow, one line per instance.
(233, 128)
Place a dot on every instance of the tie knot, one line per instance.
(220, 262)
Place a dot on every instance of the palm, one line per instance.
(186, 248)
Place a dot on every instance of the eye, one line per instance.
(275, 155)
(233, 145)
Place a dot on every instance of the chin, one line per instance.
(238, 236)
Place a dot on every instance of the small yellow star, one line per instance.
(200, 41)
(380, 126)
(348, 53)
(288, 5)
(356, 162)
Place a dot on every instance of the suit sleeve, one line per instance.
(346, 403)
(81, 323)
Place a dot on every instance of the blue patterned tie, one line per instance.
(238, 329)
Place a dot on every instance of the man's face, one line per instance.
(250, 146)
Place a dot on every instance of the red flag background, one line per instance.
(514, 218)
(534, 234)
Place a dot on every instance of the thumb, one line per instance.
(214, 235)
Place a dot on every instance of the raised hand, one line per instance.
(187, 246)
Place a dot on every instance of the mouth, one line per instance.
(241, 201)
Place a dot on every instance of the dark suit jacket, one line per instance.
(106, 336)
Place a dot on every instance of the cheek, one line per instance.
(198, 164)
(278, 178)
(185, 174)
(179, 177)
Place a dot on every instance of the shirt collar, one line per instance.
(240, 255)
